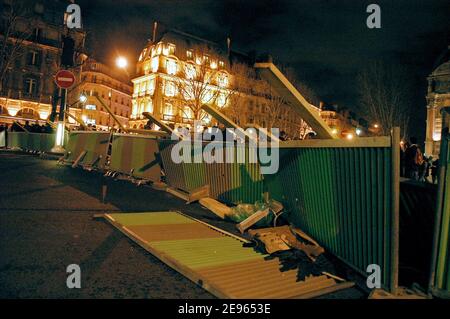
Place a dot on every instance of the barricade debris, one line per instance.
(285, 238)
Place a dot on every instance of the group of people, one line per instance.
(32, 128)
(415, 165)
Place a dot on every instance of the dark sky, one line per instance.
(326, 41)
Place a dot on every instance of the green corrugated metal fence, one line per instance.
(40, 142)
(95, 144)
(229, 182)
(342, 196)
(137, 155)
(441, 284)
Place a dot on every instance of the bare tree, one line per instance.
(240, 92)
(16, 28)
(199, 84)
(274, 104)
(385, 92)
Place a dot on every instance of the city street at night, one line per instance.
(230, 157)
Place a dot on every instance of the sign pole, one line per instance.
(64, 79)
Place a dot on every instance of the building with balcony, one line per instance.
(176, 69)
(27, 87)
(112, 86)
(438, 97)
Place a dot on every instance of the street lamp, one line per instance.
(358, 131)
(349, 136)
(121, 62)
(83, 98)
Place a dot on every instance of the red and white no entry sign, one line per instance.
(64, 79)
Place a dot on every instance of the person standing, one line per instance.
(413, 160)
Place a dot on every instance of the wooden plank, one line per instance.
(252, 219)
(215, 206)
(198, 193)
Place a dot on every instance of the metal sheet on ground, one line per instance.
(216, 261)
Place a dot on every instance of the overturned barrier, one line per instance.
(38, 142)
(233, 182)
(136, 155)
(87, 148)
(345, 195)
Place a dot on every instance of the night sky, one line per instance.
(327, 42)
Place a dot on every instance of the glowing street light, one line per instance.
(121, 62)
(334, 131)
(83, 98)
(349, 136)
(376, 125)
(358, 131)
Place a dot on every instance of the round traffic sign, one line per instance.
(64, 79)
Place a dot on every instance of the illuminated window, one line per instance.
(151, 86)
(190, 71)
(155, 64)
(149, 107)
(90, 107)
(159, 48)
(187, 112)
(188, 92)
(169, 89)
(141, 108)
(171, 66)
(142, 54)
(221, 64)
(207, 96)
(134, 109)
(143, 86)
(168, 109)
(213, 65)
(171, 49)
(221, 100)
(189, 54)
(136, 88)
(222, 80)
(206, 58)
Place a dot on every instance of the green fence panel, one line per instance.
(2, 139)
(95, 144)
(137, 155)
(341, 197)
(230, 182)
(40, 142)
(442, 276)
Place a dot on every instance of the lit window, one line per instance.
(151, 86)
(198, 60)
(149, 107)
(169, 89)
(222, 80)
(171, 66)
(155, 64)
(168, 109)
(189, 54)
(213, 65)
(207, 96)
(187, 112)
(136, 88)
(221, 100)
(221, 64)
(141, 108)
(171, 49)
(142, 54)
(188, 93)
(190, 71)
(206, 58)
(91, 107)
(134, 109)
(143, 86)
(159, 48)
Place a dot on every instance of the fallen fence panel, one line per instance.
(136, 155)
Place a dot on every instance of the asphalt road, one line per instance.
(46, 224)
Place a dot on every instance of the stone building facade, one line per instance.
(438, 97)
(28, 85)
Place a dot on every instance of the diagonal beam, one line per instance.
(285, 89)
